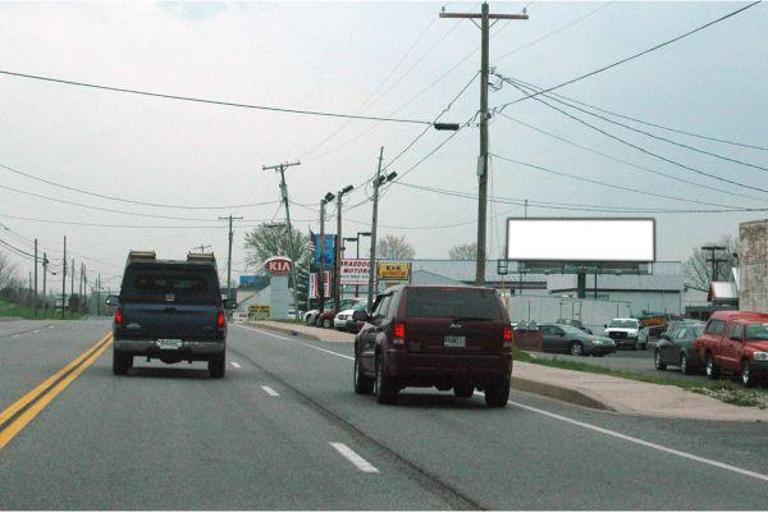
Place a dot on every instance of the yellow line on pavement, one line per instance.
(89, 356)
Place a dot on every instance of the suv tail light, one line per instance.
(118, 317)
(507, 336)
(399, 334)
(221, 320)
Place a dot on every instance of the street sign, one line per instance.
(247, 280)
(394, 271)
(355, 271)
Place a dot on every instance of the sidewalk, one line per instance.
(586, 389)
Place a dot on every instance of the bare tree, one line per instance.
(392, 247)
(698, 270)
(7, 271)
(463, 252)
(269, 240)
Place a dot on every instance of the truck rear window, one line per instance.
(452, 303)
(183, 283)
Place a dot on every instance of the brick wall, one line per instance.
(753, 260)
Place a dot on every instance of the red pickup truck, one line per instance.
(735, 342)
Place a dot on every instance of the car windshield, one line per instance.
(466, 303)
(756, 332)
(571, 329)
(623, 324)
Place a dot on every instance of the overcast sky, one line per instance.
(378, 59)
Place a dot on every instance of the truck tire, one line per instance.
(384, 389)
(217, 366)
(747, 377)
(121, 362)
(710, 368)
(658, 362)
(363, 383)
(497, 394)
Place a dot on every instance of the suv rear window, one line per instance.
(452, 303)
(187, 283)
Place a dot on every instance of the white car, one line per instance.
(340, 320)
(239, 316)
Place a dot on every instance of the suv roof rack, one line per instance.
(201, 256)
(144, 255)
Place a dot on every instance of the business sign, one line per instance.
(247, 281)
(592, 240)
(327, 280)
(328, 254)
(278, 265)
(258, 311)
(394, 271)
(354, 271)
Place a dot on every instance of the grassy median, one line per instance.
(723, 390)
(11, 310)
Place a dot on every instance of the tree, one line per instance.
(393, 247)
(698, 271)
(269, 240)
(463, 252)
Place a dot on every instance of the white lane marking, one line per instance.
(37, 331)
(15, 335)
(298, 341)
(50, 327)
(359, 462)
(236, 365)
(271, 392)
(613, 433)
(647, 444)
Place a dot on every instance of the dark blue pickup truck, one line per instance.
(170, 310)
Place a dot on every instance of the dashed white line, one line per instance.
(297, 341)
(271, 392)
(37, 331)
(236, 365)
(50, 327)
(359, 462)
(15, 335)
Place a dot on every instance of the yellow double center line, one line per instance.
(18, 415)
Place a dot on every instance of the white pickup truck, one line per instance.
(624, 331)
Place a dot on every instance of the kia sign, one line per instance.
(354, 271)
(581, 240)
(278, 266)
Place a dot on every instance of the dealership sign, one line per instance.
(394, 271)
(278, 265)
(355, 271)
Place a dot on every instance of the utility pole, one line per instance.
(284, 195)
(712, 259)
(34, 307)
(482, 163)
(229, 256)
(98, 294)
(321, 275)
(202, 247)
(29, 290)
(72, 288)
(337, 289)
(45, 273)
(64, 279)
(378, 181)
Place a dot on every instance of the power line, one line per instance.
(209, 101)
(103, 225)
(130, 201)
(631, 57)
(637, 130)
(648, 152)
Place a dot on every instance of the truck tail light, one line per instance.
(118, 317)
(507, 336)
(399, 334)
(221, 320)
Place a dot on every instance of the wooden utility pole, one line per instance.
(229, 256)
(34, 306)
(284, 196)
(482, 163)
(64, 279)
(72, 288)
(45, 273)
(202, 247)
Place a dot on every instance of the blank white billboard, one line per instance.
(590, 240)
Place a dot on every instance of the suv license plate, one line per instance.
(455, 341)
(165, 344)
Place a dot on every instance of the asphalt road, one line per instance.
(168, 437)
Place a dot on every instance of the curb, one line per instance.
(285, 330)
(558, 392)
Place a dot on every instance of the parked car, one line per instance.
(310, 317)
(624, 331)
(735, 342)
(448, 337)
(239, 316)
(569, 339)
(170, 310)
(675, 347)
(575, 323)
(343, 321)
(325, 319)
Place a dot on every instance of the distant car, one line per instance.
(325, 319)
(443, 336)
(569, 339)
(310, 317)
(624, 331)
(575, 323)
(343, 321)
(675, 348)
(239, 316)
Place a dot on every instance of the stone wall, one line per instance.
(753, 261)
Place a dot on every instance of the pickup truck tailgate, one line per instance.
(177, 321)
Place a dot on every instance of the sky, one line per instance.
(380, 59)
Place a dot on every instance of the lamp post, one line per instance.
(356, 239)
(337, 291)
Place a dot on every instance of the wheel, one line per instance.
(576, 348)
(747, 377)
(217, 366)
(327, 323)
(384, 389)
(497, 394)
(121, 362)
(636, 346)
(643, 346)
(463, 390)
(318, 321)
(711, 369)
(363, 383)
(684, 368)
(657, 361)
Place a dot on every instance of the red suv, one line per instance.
(735, 342)
(449, 337)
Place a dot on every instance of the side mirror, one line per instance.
(112, 300)
(360, 316)
(605, 326)
(229, 304)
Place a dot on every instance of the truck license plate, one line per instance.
(455, 341)
(169, 344)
